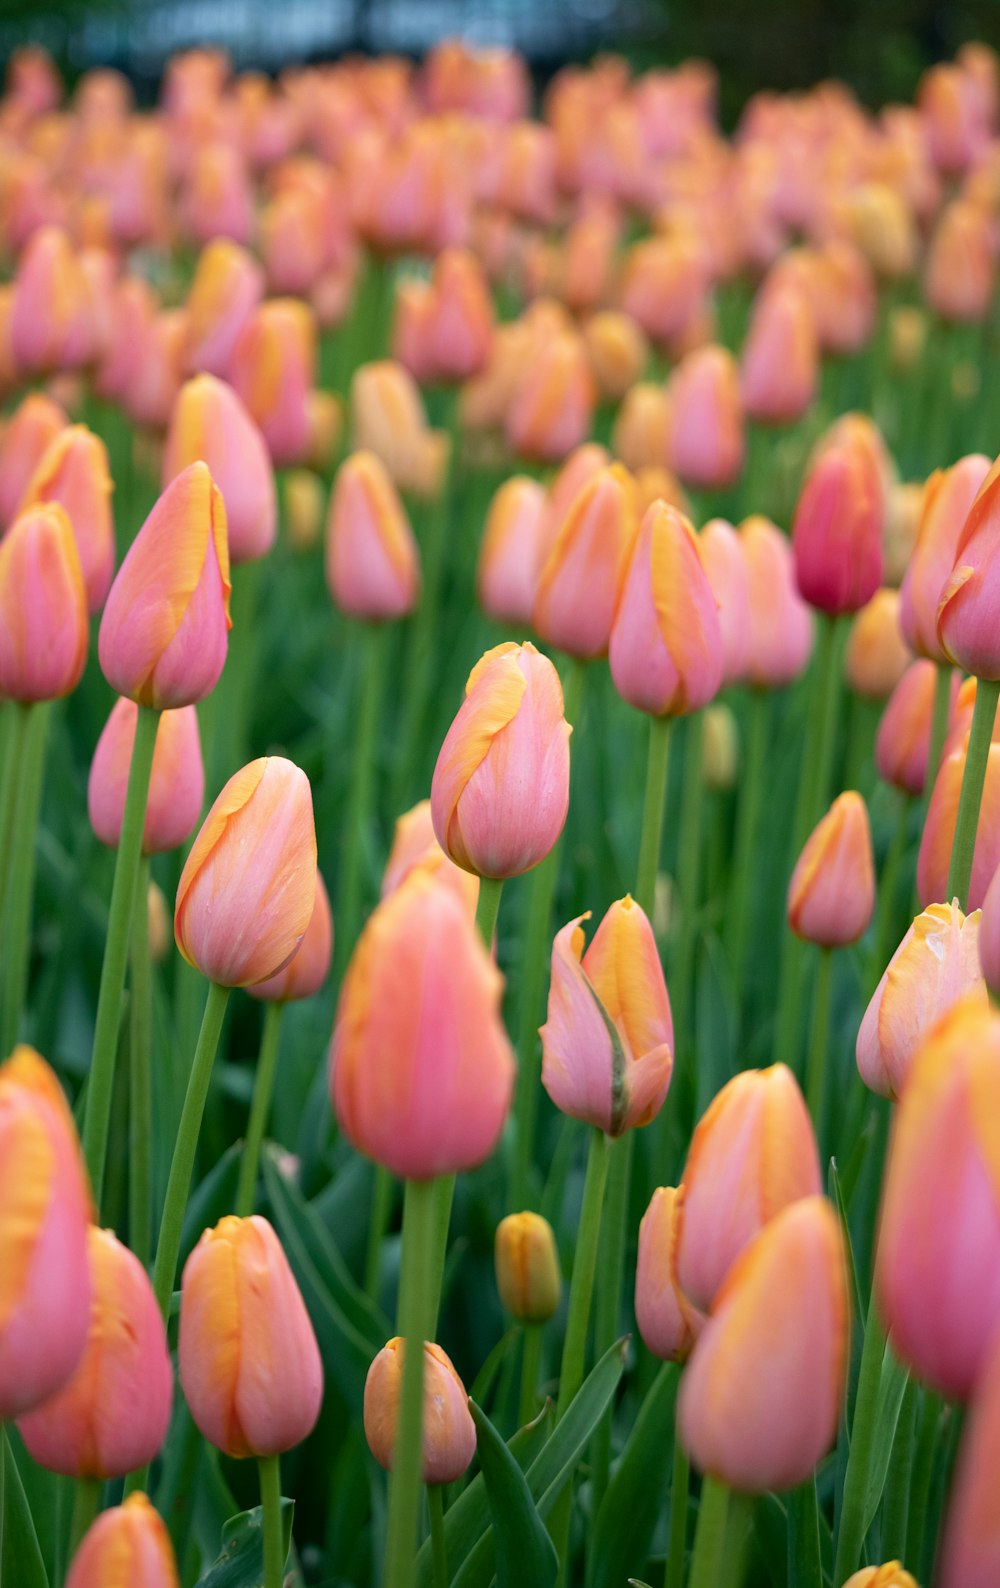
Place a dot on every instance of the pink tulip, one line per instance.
(837, 533)
(225, 290)
(209, 422)
(967, 615)
(309, 966)
(43, 608)
(934, 857)
(511, 553)
(832, 892)
(176, 785)
(667, 1322)
(724, 560)
(50, 318)
(25, 438)
(707, 440)
(448, 1434)
(779, 365)
(970, 1546)
(581, 578)
(781, 624)
(73, 471)
(372, 562)
(948, 496)
(903, 740)
(273, 369)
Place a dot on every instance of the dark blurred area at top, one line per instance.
(879, 47)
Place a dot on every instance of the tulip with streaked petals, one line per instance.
(781, 623)
(575, 471)
(666, 1319)
(388, 419)
(210, 422)
(414, 844)
(889, 1575)
(837, 533)
(607, 1044)
(73, 471)
(372, 567)
(970, 1544)
(226, 288)
(127, 1547)
(43, 608)
(527, 1267)
(309, 966)
(832, 892)
(935, 965)
(176, 785)
(113, 1414)
(25, 438)
(273, 369)
(580, 580)
(762, 1393)
(903, 740)
(422, 1069)
(552, 406)
(948, 496)
(707, 439)
(248, 888)
(724, 561)
(511, 552)
(45, 1284)
(448, 1434)
(50, 318)
(247, 1356)
(779, 364)
(876, 656)
(164, 632)
(937, 1275)
(934, 858)
(968, 610)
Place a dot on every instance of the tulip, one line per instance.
(128, 1544)
(389, 420)
(720, 749)
(44, 632)
(134, 310)
(26, 437)
(582, 465)
(890, 1575)
(272, 370)
(414, 844)
(970, 1547)
(752, 1153)
(177, 782)
(967, 628)
(461, 322)
(500, 789)
(302, 508)
(836, 536)
(941, 1202)
(663, 286)
(779, 364)
(666, 650)
(372, 564)
(707, 439)
(309, 966)
(247, 1356)
(903, 740)
(422, 1070)
(512, 548)
(50, 317)
(552, 407)
(582, 575)
(832, 892)
(937, 842)
(877, 656)
(960, 275)
(113, 1414)
(248, 888)
(948, 496)
(225, 290)
(210, 422)
(73, 471)
(607, 1045)
(667, 1322)
(527, 1267)
(761, 1397)
(618, 352)
(44, 1211)
(655, 484)
(448, 1434)
(884, 229)
(724, 560)
(158, 370)
(781, 624)
(641, 436)
(325, 414)
(163, 635)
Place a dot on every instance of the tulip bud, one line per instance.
(128, 1544)
(607, 1045)
(891, 1575)
(73, 471)
(176, 785)
(500, 789)
(113, 1414)
(388, 419)
(448, 1434)
(903, 741)
(325, 413)
(837, 533)
(527, 1266)
(302, 501)
(970, 1546)
(248, 1360)
(720, 749)
(641, 437)
(941, 1201)
(309, 966)
(582, 465)
(226, 288)
(44, 632)
(934, 858)
(422, 1069)
(159, 925)
(832, 892)
(552, 407)
(654, 484)
(667, 1322)
(372, 564)
(273, 370)
(25, 439)
(414, 844)
(752, 1153)
(44, 1211)
(779, 364)
(761, 1397)
(618, 352)
(248, 888)
(948, 496)
(960, 275)
(967, 613)
(877, 656)
(582, 575)
(511, 554)
(460, 331)
(50, 318)
(725, 563)
(781, 624)
(707, 439)
(210, 422)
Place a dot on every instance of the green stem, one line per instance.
(817, 760)
(140, 1121)
(13, 718)
(852, 1518)
(688, 873)
(896, 1504)
(360, 801)
(887, 932)
(444, 1195)
(86, 1504)
(680, 1481)
(654, 804)
(439, 1547)
(939, 726)
(928, 1435)
(610, 1278)
(744, 872)
(530, 1363)
(964, 842)
(818, 1040)
(109, 1001)
(185, 1147)
(584, 1266)
(710, 1536)
(488, 908)
(378, 1225)
(805, 1568)
(21, 876)
(405, 1477)
(269, 1468)
(260, 1107)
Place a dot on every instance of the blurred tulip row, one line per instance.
(560, 545)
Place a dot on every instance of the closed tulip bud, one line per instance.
(273, 371)
(73, 471)
(460, 332)
(941, 1201)
(226, 288)
(411, 329)
(113, 1414)
(779, 365)
(891, 1575)
(762, 1394)
(248, 888)
(210, 422)
(25, 439)
(302, 508)
(902, 522)
(938, 836)
(176, 785)
(641, 436)
(512, 549)
(781, 623)
(43, 608)
(877, 655)
(618, 352)
(576, 471)
(448, 1434)
(608, 1042)
(960, 275)
(582, 575)
(247, 1356)
(500, 789)
(970, 1547)
(832, 892)
(552, 406)
(720, 749)
(372, 563)
(309, 966)
(164, 633)
(653, 484)
(127, 1544)
(837, 533)
(326, 423)
(414, 844)
(159, 925)
(44, 1212)
(884, 229)
(907, 337)
(667, 1321)
(707, 430)
(903, 740)
(960, 720)
(527, 1266)
(725, 563)
(948, 496)
(967, 626)
(388, 419)
(50, 324)
(422, 1070)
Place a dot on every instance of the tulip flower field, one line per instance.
(499, 829)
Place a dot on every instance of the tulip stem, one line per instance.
(747, 824)
(964, 842)
(356, 847)
(263, 1088)
(275, 1554)
(818, 1041)
(710, 1536)
(680, 1481)
(439, 1546)
(21, 876)
(413, 1314)
(657, 767)
(100, 1086)
(488, 908)
(378, 1224)
(584, 1267)
(609, 1288)
(939, 726)
(805, 1569)
(886, 935)
(444, 1196)
(530, 1363)
(186, 1146)
(688, 872)
(86, 1504)
(817, 761)
(850, 1538)
(13, 718)
(140, 1145)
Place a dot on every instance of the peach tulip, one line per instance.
(577, 470)
(903, 740)
(948, 496)
(552, 405)
(43, 633)
(273, 369)
(779, 364)
(73, 471)
(176, 785)
(128, 1544)
(989, 936)
(226, 288)
(580, 580)
(388, 419)
(527, 1267)
(448, 1434)
(667, 1322)
(724, 560)
(877, 655)
(889, 1575)
(960, 276)
(309, 966)
(934, 858)
(618, 352)
(24, 440)
(460, 330)
(50, 317)
(642, 429)
(372, 563)
(512, 548)
(781, 624)
(832, 892)
(837, 532)
(970, 1544)
(209, 422)
(414, 844)
(707, 433)
(967, 627)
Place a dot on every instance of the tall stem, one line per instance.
(939, 725)
(439, 1547)
(680, 1480)
(964, 842)
(488, 908)
(269, 1468)
(805, 1568)
(140, 1117)
(688, 874)
(86, 1504)
(816, 1064)
(405, 1478)
(444, 1196)
(21, 876)
(584, 1266)
(710, 1536)
(744, 870)
(817, 761)
(378, 1225)
(359, 808)
(852, 1517)
(12, 716)
(529, 1372)
(109, 1000)
(657, 768)
(886, 934)
(614, 1231)
(260, 1107)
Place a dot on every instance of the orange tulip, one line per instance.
(414, 844)
(580, 580)
(618, 352)
(890, 1575)
(903, 741)
(527, 1267)
(309, 966)
(448, 1437)
(947, 498)
(552, 405)
(641, 437)
(226, 288)
(388, 419)
(960, 275)
(73, 471)
(934, 858)
(127, 1544)
(967, 612)
(832, 892)
(209, 422)
(43, 633)
(25, 438)
(877, 655)
(668, 1323)
(273, 369)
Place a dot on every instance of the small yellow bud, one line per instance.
(527, 1266)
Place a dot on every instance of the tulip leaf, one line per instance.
(891, 1389)
(241, 1559)
(20, 1555)
(627, 1516)
(211, 1200)
(525, 1554)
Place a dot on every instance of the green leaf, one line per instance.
(241, 1561)
(212, 1199)
(627, 1517)
(21, 1561)
(891, 1389)
(836, 1193)
(525, 1554)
